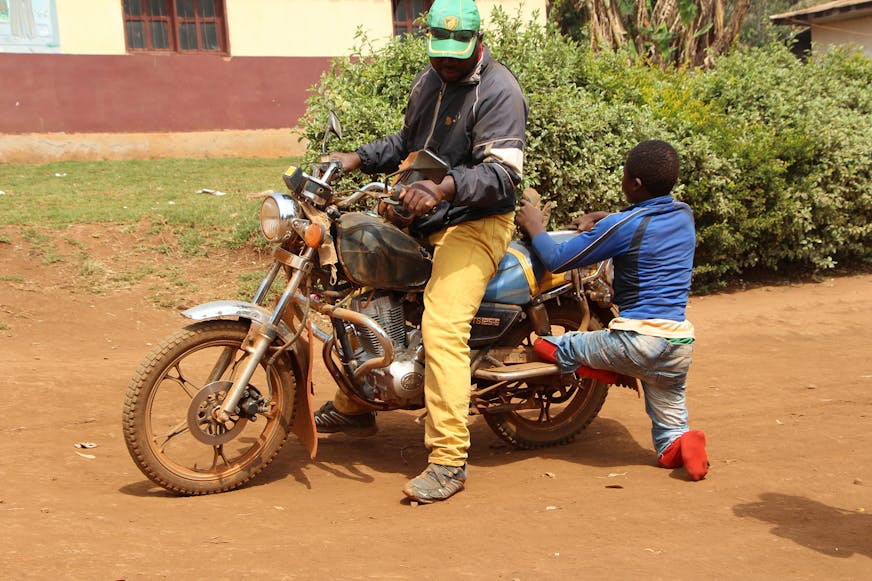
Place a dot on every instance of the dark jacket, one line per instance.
(478, 126)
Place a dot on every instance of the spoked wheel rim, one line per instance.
(547, 411)
(186, 391)
(541, 406)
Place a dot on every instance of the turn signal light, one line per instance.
(314, 236)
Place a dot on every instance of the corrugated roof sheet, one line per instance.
(827, 10)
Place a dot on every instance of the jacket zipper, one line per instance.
(435, 116)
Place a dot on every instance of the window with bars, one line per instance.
(405, 14)
(175, 25)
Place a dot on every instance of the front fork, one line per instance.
(267, 333)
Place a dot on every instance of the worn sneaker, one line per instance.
(329, 420)
(437, 482)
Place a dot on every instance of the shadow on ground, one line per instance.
(829, 530)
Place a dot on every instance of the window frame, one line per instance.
(407, 26)
(174, 24)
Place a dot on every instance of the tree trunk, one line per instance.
(682, 32)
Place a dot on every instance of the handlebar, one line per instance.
(381, 191)
(374, 190)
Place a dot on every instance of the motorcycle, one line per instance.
(213, 403)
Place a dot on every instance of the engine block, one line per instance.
(400, 384)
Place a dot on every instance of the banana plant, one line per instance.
(666, 32)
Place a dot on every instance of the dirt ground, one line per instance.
(781, 384)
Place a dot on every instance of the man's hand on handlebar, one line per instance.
(349, 161)
(423, 196)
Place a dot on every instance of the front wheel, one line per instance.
(551, 410)
(168, 424)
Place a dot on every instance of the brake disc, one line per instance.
(201, 420)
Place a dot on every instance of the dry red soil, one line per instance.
(781, 384)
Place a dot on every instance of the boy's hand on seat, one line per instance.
(587, 221)
(529, 219)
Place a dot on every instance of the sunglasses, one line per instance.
(458, 35)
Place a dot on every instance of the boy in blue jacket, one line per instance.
(651, 244)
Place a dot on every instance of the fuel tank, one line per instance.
(521, 275)
(376, 253)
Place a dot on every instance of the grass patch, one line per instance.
(174, 276)
(125, 192)
(192, 242)
(43, 245)
(75, 243)
(155, 207)
(248, 285)
(91, 268)
(135, 275)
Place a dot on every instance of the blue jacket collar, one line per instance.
(655, 202)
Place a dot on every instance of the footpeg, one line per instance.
(517, 372)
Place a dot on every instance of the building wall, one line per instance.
(285, 28)
(294, 28)
(77, 77)
(87, 93)
(99, 30)
(855, 30)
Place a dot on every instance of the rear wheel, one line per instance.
(551, 410)
(168, 422)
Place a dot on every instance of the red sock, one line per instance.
(693, 454)
(689, 451)
(671, 457)
(548, 351)
(603, 375)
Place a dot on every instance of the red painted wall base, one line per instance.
(42, 93)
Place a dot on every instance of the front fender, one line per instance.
(304, 422)
(236, 310)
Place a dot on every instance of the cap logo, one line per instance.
(451, 22)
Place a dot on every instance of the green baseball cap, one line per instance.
(453, 28)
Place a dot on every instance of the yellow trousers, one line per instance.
(465, 258)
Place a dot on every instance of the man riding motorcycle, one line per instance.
(468, 109)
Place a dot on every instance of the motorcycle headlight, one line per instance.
(276, 213)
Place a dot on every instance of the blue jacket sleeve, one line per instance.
(606, 240)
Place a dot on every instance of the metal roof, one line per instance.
(837, 10)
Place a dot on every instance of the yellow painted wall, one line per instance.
(92, 27)
(303, 27)
(325, 27)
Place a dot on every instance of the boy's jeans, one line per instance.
(662, 366)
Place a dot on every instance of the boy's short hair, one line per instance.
(655, 164)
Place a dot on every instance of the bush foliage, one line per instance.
(776, 152)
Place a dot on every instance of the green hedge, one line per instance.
(776, 152)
